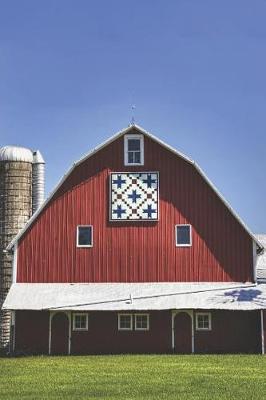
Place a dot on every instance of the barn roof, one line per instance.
(135, 296)
(260, 247)
(261, 264)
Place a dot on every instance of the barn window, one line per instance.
(183, 235)
(134, 150)
(125, 322)
(203, 321)
(84, 236)
(142, 322)
(80, 322)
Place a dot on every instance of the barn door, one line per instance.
(59, 333)
(183, 333)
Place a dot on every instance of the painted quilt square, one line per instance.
(134, 196)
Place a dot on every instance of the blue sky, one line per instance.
(196, 70)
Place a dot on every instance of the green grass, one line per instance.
(134, 377)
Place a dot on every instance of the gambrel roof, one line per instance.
(260, 247)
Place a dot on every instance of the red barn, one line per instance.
(136, 251)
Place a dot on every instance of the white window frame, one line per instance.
(197, 322)
(133, 136)
(119, 324)
(190, 236)
(77, 236)
(74, 320)
(148, 322)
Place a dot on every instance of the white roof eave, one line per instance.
(135, 296)
(106, 143)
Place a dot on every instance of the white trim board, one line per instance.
(142, 315)
(51, 315)
(15, 263)
(76, 314)
(106, 143)
(77, 236)
(191, 314)
(190, 236)
(262, 332)
(119, 328)
(126, 151)
(198, 314)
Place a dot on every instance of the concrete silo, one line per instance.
(17, 167)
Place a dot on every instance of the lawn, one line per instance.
(134, 377)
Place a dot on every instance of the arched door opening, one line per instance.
(59, 333)
(183, 333)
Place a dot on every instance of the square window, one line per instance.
(125, 322)
(142, 322)
(80, 322)
(203, 321)
(134, 149)
(84, 236)
(183, 235)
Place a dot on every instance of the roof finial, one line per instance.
(133, 107)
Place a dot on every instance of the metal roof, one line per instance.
(110, 140)
(16, 153)
(135, 296)
(261, 262)
(37, 157)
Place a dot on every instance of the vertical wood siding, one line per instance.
(183, 333)
(135, 251)
(232, 332)
(102, 336)
(32, 332)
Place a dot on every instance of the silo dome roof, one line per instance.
(37, 157)
(16, 153)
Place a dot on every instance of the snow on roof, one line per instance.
(135, 296)
(261, 263)
(107, 142)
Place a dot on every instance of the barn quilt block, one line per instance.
(134, 196)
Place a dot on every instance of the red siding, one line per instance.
(32, 332)
(183, 333)
(232, 332)
(103, 336)
(140, 251)
(59, 333)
